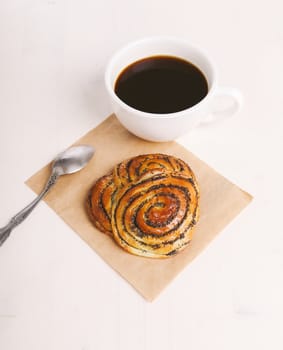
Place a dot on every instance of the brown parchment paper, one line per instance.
(220, 202)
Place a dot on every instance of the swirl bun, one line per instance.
(137, 167)
(149, 204)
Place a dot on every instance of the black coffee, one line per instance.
(161, 84)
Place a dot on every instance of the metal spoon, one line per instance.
(67, 162)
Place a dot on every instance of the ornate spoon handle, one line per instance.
(24, 213)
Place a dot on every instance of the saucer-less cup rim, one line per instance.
(210, 73)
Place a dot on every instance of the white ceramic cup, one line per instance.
(168, 127)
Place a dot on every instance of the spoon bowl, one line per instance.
(73, 159)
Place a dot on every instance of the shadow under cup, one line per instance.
(163, 126)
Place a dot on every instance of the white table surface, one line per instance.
(55, 292)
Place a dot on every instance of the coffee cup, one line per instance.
(155, 122)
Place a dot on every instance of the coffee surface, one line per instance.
(161, 84)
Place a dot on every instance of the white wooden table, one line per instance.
(55, 292)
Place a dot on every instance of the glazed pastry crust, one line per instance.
(99, 203)
(149, 204)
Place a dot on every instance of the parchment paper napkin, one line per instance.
(220, 202)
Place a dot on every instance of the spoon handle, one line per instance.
(24, 213)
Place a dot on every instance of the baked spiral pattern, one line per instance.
(149, 204)
(155, 216)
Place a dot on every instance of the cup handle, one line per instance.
(218, 113)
